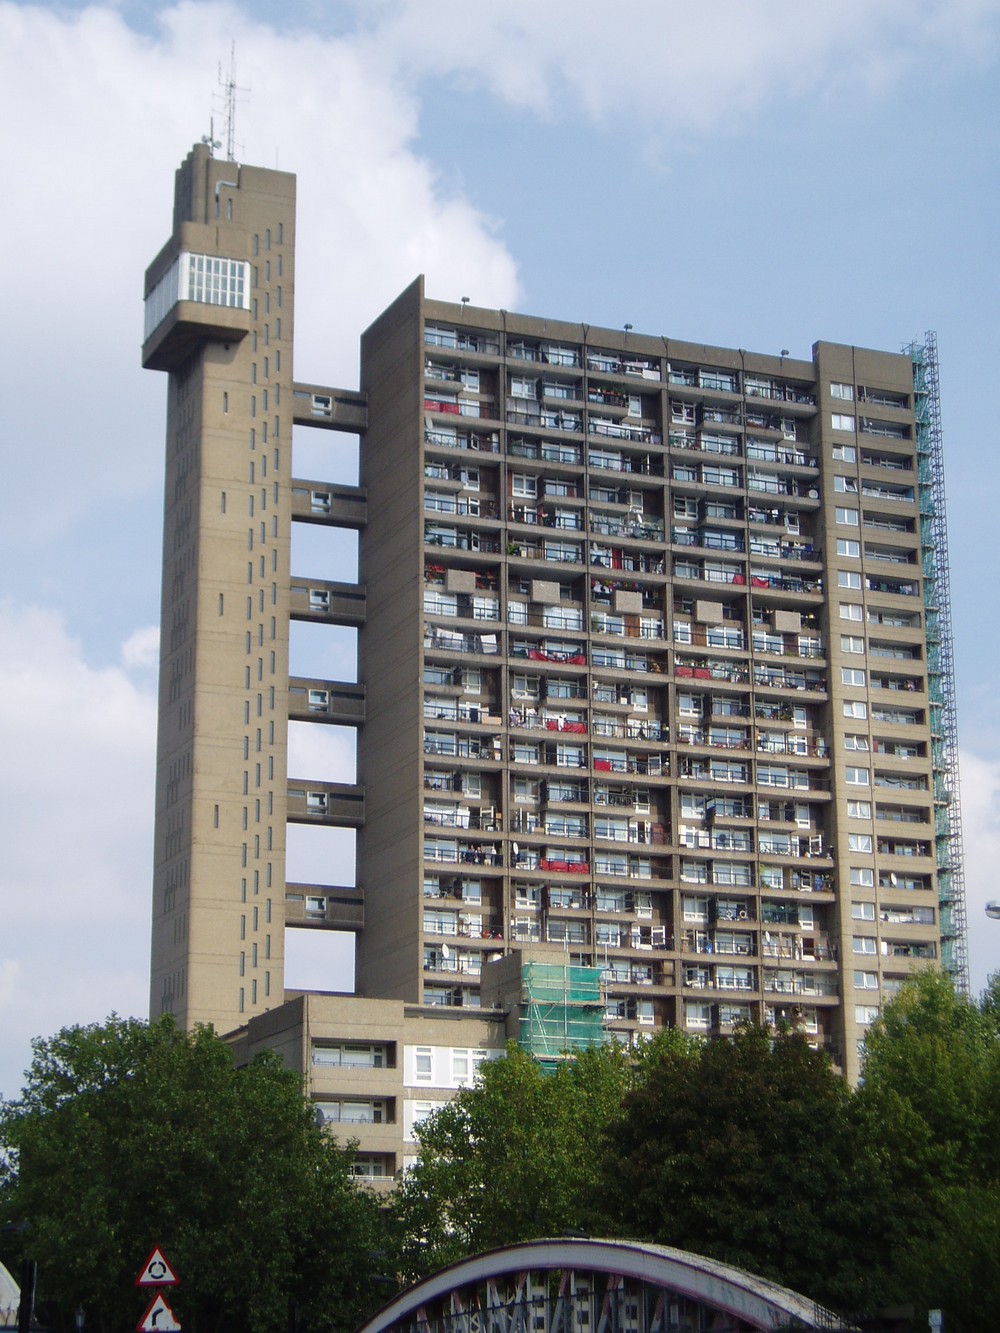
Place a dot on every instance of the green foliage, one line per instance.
(743, 1153)
(130, 1134)
(511, 1158)
(930, 1103)
(751, 1151)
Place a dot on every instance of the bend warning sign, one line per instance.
(159, 1318)
(156, 1272)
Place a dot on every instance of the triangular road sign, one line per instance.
(156, 1272)
(159, 1318)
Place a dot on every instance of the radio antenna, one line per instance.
(229, 97)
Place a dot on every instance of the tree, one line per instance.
(930, 1104)
(130, 1134)
(744, 1152)
(512, 1158)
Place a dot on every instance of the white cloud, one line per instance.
(675, 69)
(110, 114)
(981, 829)
(141, 650)
(76, 788)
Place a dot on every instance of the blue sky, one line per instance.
(755, 173)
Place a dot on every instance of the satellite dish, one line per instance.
(993, 909)
(893, 880)
(445, 951)
(515, 849)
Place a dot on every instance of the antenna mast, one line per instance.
(228, 98)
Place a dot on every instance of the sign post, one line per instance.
(156, 1274)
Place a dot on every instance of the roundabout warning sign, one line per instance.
(156, 1272)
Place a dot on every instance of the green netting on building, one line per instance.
(562, 1010)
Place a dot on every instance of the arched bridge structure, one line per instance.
(569, 1285)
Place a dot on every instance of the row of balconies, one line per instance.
(691, 381)
(562, 551)
(797, 947)
(798, 744)
(733, 977)
(694, 391)
(691, 670)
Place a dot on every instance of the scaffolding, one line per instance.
(562, 1010)
(940, 660)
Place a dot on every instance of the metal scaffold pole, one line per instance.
(940, 660)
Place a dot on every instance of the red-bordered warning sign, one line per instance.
(159, 1318)
(156, 1272)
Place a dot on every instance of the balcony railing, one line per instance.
(485, 442)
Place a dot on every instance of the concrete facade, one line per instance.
(642, 665)
(375, 1068)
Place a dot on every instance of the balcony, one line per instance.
(487, 442)
(547, 451)
(463, 506)
(623, 430)
(466, 340)
(440, 639)
(556, 552)
(815, 984)
(458, 539)
(544, 515)
(449, 852)
(462, 746)
(649, 765)
(641, 529)
(765, 451)
(521, 412)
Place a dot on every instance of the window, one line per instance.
(850, 643)
(852, 676)
(203, 278)
(845, 453)
(859, 809)
(524, 485)
(857, 777)
(852, 741)
(847, 517)
(847, 578)
(842, 421)
(864, 944)
(465, 1065)
(849, 548)
(351, 1055)
(859, 842)
(863, 911)
(866, 980)
(845, 485)
(865, 1014)
(370, 1166)
(851, 611)
(855, 708)
(862, 877)
(694, 909)
(423, 1064)
(697, 1016)
(348, 1111)
(843, 391)
(694, 872)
